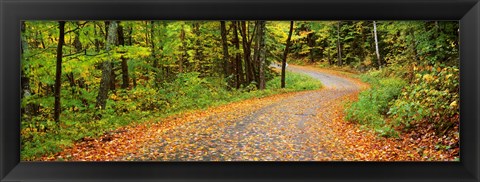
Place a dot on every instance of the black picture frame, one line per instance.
(465, 11)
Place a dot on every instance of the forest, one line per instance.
(240, 90)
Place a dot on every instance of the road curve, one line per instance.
(288, 129)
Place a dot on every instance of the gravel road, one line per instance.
(289, 129)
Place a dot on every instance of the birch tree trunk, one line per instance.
(107, 67)
(25, 80)
(376, 44)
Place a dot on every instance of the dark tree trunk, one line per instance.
(130, 32)
(58, 73)
(198, 49)
(71, 79)
(121, 36)
(240, 78)
(106, 68)
(226, 57)
(182, 50)
(125, 78)
(227, 65)
(339, 47)
(113, 76)
(146, 33)
(76, 42)
(78, 48)
(97, 42)
(311, 44)
(285, 55)
(246, 52)
(124, 65)
(154, 55)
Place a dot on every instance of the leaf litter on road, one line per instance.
(302, 126)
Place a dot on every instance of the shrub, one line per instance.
(432, 96)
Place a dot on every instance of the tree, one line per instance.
(261, 54)
(339, 46)
(183, 49)
(107, 67)
(240, 78)
(124, 64)
(246, 43)
(58, 72)
(376, 44)
(226, 57)
(26, 91)
(285, 54)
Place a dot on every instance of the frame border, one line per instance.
(466, 11)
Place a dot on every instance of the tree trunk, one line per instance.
(130, 32)
(246, 52)
(262, 54)
(58, 73)
(76, 42)
(339, 48)
(124, 64)
(198, 49)
(238, 60)
(182, 50)
(113, 76)
(227, 68)
(226, 57)
(71, 79)
(97, 42)
(376, 44)
(154, 54)
(285, 54)
(25, 80)
(106, 68)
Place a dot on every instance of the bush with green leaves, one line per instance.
(433, 97)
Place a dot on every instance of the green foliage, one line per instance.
(373, 104)
(432, 97)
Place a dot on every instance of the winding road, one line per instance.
(294, 127)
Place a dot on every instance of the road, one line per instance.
(288, 128)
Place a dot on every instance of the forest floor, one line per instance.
(300, 126)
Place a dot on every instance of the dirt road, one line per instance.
(291, 128)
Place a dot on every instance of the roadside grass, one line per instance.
(189, 92)
(373, 104)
